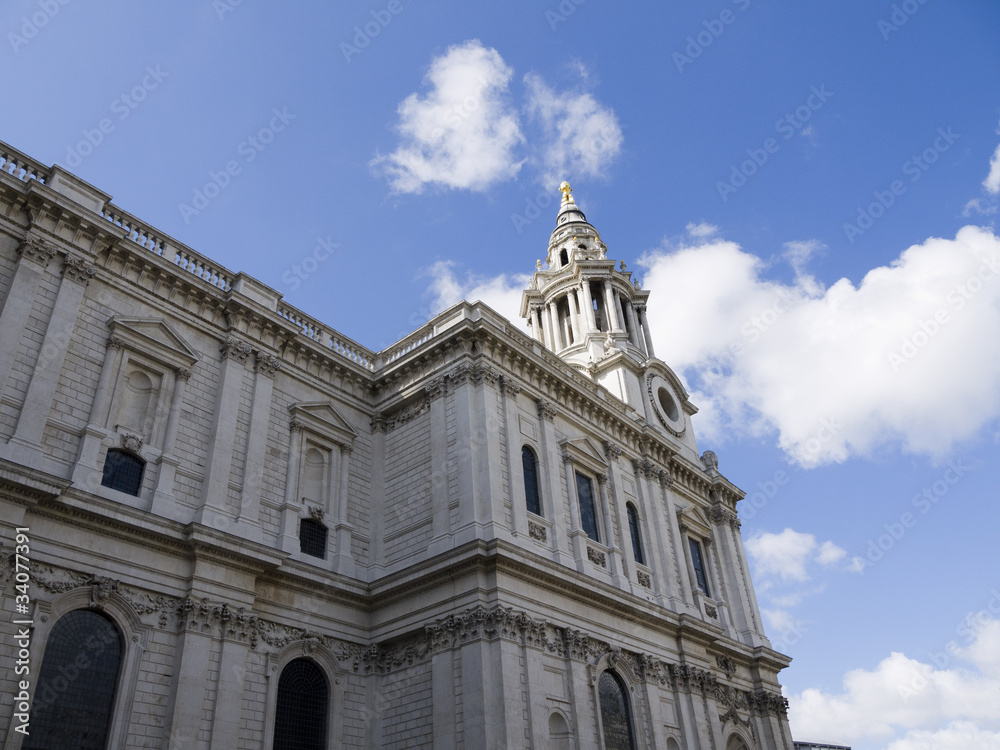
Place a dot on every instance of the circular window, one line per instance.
(667, 403)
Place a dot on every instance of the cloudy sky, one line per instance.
(810, 190)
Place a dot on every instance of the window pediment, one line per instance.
(693, 520)
(155, 338)
(584, 452)
(321, 418)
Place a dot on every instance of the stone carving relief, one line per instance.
(537, 531)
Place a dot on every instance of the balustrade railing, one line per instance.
(22, 166)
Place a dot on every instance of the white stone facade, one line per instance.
(442, 613)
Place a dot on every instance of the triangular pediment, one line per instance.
(585, 451)
(322, 418)
(693, 519)
(155, 338)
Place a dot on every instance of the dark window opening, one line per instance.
(700, 571)
(633, 529)
(529, 463)
(565, 325)
(600, 316)
(616, 719)
(77, 683)
(588, 512)
(563, 258)
(123, 471)
(300, 716)
(312, 538)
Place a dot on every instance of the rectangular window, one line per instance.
(588, 511)
(700, 571)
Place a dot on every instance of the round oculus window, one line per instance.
(665, 403)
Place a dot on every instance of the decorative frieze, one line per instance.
(711, 612)
(537, 531)
(597, 557)
(644, 580)
(727, 665)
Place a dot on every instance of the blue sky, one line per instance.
(809, 189)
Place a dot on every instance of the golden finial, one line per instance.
(565, 189)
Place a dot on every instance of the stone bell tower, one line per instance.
(586, 308)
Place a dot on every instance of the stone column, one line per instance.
(441, 521)
(588, 307)
(614, 324)
(623, 571)
(680, 565)
(260, 420)
(87, 473)
(213, 511)
(291, 506)
(229, 694)
(551, 479)
(163, 497)
(574, 315)
(377, 550)
(633, 325)
(515, 470)
(661, 556)
(34, 255)
(536, 324)
(645, 332)
(76, 274)
(612, 542)
(186, 707)
(443, 695)
(343, 528)
(557, 332)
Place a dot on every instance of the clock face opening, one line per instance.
(665, 403)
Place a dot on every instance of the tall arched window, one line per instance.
(529, 463)
(300, 716)
(123, 471)
(588, 511)
(76, 686)
(633, 530)
(616, 717)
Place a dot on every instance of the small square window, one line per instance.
(312, 538)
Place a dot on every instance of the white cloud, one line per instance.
(830, 554)
(992, 181)
(930, 707)
(798, 253)
(701, 230)
(839, 370)
(580, 137)
(502, 293)
(463, 133)
(782, 555)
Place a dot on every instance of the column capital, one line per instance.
(182, 375)
(267, 364)
(78, 269)
(236, 349)
(546, 410)
(35, 249)
(435, 388)
(612, 450)
(509, 388)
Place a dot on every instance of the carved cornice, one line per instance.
(389, 422)
(236, 349)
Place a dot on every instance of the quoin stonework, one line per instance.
(249, 531)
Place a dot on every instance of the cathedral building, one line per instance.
(225, 525)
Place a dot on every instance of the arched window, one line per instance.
(563, 258)
(300, 715)
(700, 569)
(529, 463)
(312, 538)
(76, 684)
(633, 530)
(616, 718)
(123, 471)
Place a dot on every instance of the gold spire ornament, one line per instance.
(565, 189)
